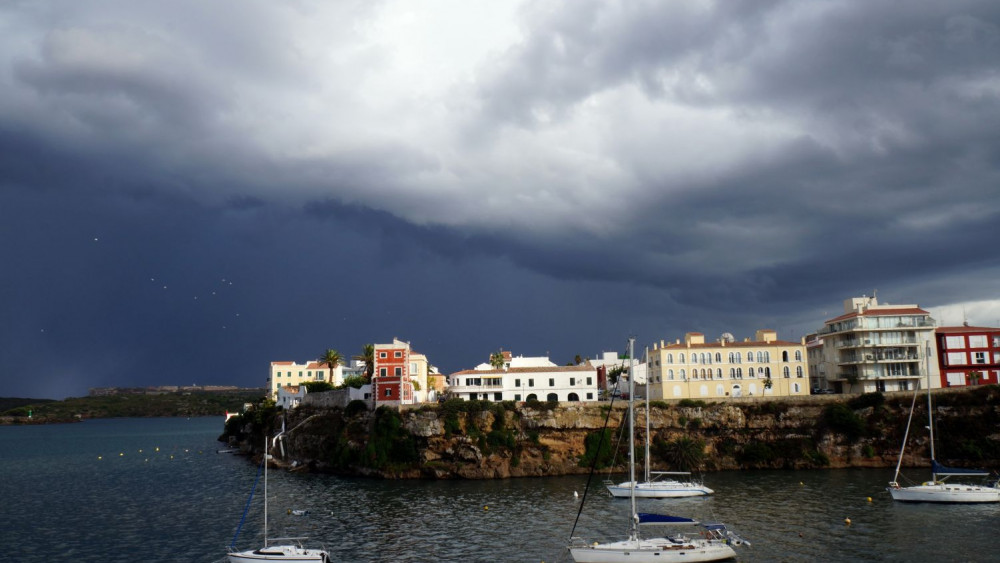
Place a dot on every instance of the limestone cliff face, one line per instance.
(502, 440)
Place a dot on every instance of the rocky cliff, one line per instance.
(480, 440)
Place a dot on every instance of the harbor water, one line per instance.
(127, 490)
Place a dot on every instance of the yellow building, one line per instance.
(695, 369)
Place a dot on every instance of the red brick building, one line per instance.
(968, 355)
(391, 383)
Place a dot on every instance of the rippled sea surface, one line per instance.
(156, 490)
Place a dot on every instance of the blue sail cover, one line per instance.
(649, 518)
(939, 469)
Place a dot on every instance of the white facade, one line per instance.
(877, 347)
(290, 396)
(524, 379)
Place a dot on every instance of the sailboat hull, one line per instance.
(660, 550)
(286, 553)
(945, 493)
(659, 489)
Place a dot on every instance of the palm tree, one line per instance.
(368, 357)
(496, 360)
(332, 359)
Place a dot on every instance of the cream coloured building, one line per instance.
(695, 369)
(284, 374)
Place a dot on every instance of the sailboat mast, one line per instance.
(265, 491)
(634, 526)
(930, 414)
(646, 402)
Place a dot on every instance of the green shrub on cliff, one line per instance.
(683, 454)
(597, 450)
(842, 419)
(389, 443)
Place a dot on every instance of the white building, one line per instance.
(523, 379)
(290, 396)
(877, 347)
(290, 373)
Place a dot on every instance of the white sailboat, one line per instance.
(287, 550)
(657, 484)
(712, 542)
(939, 489)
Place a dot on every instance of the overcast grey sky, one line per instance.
(190, 190)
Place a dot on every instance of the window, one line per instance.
(670, 358)
(786, 372)
(572, 381)
(798, 371)
(497, 396)
(517, 383)
(749, 357)
(694, 358)
(590, 396)
(796, 388)
(952, 342)
(979, 357)
(784, 355)
(383, 372)
(590, 381)
(397, 371)
(552, 397)
(718, 358)
(517, 396)
(977, 341)
(397, 354)
(670, 374)
(552, 382)
(388, 392)
(531, 383)
(798, 355)
(956, 358)
(681, 356)
(683, 375)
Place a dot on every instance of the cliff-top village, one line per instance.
(871, 347)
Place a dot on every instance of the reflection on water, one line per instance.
(101, 491)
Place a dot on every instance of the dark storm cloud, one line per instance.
(545, 179)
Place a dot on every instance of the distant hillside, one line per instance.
(187, 403)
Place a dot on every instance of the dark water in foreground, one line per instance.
(155, 490)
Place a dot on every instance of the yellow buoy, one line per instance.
(486, 508)
(847, 521)
(869, 499)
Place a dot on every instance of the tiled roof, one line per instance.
(751, 344)
(552, 369)
(965, 329)
(880, 313)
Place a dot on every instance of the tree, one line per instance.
(368, 357)
(768, 383)
(332, 359)
(974, 377)
(578, 359)
(496, 360)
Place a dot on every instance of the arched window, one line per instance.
(760, 357)
(703, 390)
(732, 373)
(552, 397)
(681, 356)
(739, 373)
(718, 357)
(573, 397)
(798, 355)
(798, 371)
(767, 357)
(677, 391)
(784, 355)
(731, 360)
(737, 391)
(796, 388)
(749, 357)
(670, 374)
(532, 397)
(719, 391)
(767, 371)
(670, 358)
(787, 373)
(694, 358)
(683, 375)
(718, 373)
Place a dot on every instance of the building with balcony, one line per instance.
(523, 379)
(695, 369)
(877, 347)
(284, 374)
(391, 378)
(968, 355)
